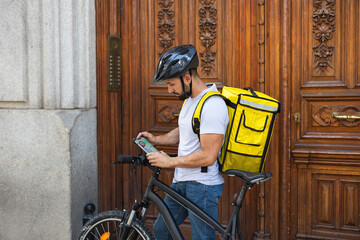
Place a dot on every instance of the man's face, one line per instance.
(175, 87)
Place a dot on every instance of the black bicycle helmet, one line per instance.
(175, 62)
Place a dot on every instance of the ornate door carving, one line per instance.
(325, 140)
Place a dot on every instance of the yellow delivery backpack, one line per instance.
(251, 123)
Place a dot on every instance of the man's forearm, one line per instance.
(196, 159)
(171, 138)
(206, 156)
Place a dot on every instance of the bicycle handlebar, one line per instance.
(125, 159)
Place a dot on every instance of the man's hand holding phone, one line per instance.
(151, 138)
(144, 144)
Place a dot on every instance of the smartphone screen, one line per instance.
(145, 145)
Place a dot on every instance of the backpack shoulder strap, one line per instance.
(197, 113)
(198, 109)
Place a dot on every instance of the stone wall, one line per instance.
(48, 146)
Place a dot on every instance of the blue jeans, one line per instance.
(206, 197)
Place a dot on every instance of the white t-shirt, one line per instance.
(214, 119)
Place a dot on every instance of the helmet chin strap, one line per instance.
(185, 94)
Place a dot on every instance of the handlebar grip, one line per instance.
(125, 159)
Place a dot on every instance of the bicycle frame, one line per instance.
(151, 196)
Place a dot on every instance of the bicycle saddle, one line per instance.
(249, 177)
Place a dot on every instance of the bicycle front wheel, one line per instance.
(110, 226)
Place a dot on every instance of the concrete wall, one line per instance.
(48, 160)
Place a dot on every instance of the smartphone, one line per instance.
(145, 145)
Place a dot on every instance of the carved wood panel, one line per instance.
(324, 202)
(208, 28)
(323, 115)
(322, 124)
(349, 205)
(328, 205)
(166, 25)
(323, 30)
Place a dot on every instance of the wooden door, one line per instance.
(325, 155)
(239, 44)
(214, 28)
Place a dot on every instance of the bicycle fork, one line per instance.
(127, 225)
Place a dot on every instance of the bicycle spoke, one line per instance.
(132, 235)
(95, 236)
(108, 230)
(102, 226)
(117, 234)
(111, 228)
(98, 231)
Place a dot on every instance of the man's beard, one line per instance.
(185, 94)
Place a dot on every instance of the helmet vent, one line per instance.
(166, 58)
(183, 51)
(173, 63)
(167, 73)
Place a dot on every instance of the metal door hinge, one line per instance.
(296, 117)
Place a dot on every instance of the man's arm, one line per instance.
(210, 147)
(171, 138)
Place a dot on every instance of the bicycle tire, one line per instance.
(109, 225)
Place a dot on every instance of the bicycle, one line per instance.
(122, 225)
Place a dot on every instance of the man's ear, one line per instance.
(187, 78)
